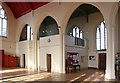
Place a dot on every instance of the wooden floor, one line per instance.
(20, 74)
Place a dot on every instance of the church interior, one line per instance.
(59, 41)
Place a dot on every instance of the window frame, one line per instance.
(101, 37)
(26, 33)
(77, 33)
(2, 24)
(76, 30)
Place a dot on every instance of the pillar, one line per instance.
(31, 56)
(38, 55)
(62, 50)
(63, 37)
(35, 55)
(110, 58)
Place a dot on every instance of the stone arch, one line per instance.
(65, 21)
(46, 29)
(40, 22)
(35, 32)
(113, 21)
(113, 14)
(19, 31)
(26, 33)
(73, 8)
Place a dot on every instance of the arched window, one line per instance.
(76, 32)
(26, 33)
(3, 22)
(48, 27)
(101, 37)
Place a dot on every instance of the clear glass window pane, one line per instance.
(0, 6)
(102, 36)
(73, 32)
(3, 22)
(81, 34)
(28, 32)
(0, 22)
(105, 38)
(77, 32)
(2, 13)
(31, 34)
(4, 32)
(101, 39)
(98, 44)
(98, 33)
(0, 31)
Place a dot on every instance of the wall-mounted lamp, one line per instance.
(59, 26)
(49, 40)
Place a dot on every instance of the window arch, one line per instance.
(48, 27)
(3, 22)
(26, 33)
(76, 32)
(101, 37)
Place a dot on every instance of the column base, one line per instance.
(109, 74)
(63, 71)
(31, 69)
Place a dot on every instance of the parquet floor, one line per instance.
(23, 75)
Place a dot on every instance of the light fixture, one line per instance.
(49, 40)
(43, 31)
(59, 26)
(46, 31)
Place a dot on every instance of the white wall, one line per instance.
(94, 21)
(9, 47)
(61, 13)
(53, 48)
(35, 19)
(82, 51)
(79, 21)
(70, 41)
(89, 32)
(118, 19)
(25, 47)
(9, 43)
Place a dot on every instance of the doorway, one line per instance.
(24, 60)
(102, 61)
(48, 62)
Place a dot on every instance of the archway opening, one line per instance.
(26, 34)
(25, 45)
(117, 44)
(49, 43)
(48, 27)
(81, 37)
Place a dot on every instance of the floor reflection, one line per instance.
(28, 76)
(33, 77)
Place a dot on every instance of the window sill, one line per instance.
(3, 36)
(102, 50)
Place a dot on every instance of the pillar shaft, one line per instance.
(110, 59)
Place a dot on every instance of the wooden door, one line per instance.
(24, 60)
(48, 62)
(102, 61)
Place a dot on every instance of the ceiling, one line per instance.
(21, 8)
(84, 10)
